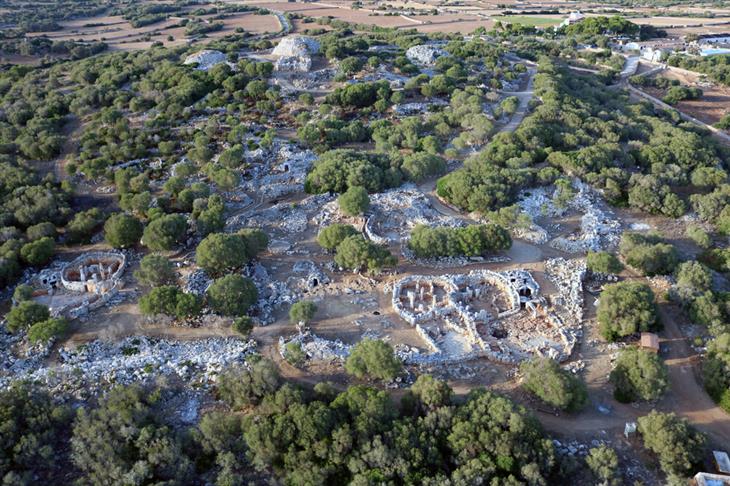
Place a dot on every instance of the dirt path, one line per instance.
(687, 397)
(524, 98)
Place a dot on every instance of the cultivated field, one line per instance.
(120, 35)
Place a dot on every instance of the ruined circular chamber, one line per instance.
(499, 315)
(95, 272)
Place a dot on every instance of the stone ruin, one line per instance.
(278, 172)
(206, 59)
(294, 53)
(497, 315)
(315, 347)
(95, 272)
(392, 215)
(84, 284)
(599, 227)
(425, 54)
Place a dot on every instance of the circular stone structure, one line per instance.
(95, 272)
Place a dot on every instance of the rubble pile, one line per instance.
(206, 59)
(425, 54)
(392, 215)
(417, 108)
(283, 218)
(197, 282)
(599, 228)
(568, 276)
(316, 348)
(281, 171)
(271, 293)
(294, 53)
(99, 363)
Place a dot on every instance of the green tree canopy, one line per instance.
(373, 358)
(626, 308)
(544, 378)
(639, 375)
(232, 295)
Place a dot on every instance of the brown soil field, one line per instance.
(710, 108)
(120, 35)
(681, 21)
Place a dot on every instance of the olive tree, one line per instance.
(302, 311)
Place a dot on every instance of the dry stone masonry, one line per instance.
(498, 315)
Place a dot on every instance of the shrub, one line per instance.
(294, 354)
(165, 232)
(354, 201)
(22, 293)
(44, 330)
(648, 254)
(373, 358)
(716, 370)
(243, 325)
(171, 301)
(673, 440)
(544, 378)
(473, 240)
(122, 230)
(240, 387)
(694, 276)
(699, 236)
(38, 252)
(156, 270)
(302, 311)
(40, 230)
(638, 375)
(603, 262)
(626, 308)
(603, 463)
(25, 314)
(356, 253)
(232, 295)
(331, 236)
(83, 224)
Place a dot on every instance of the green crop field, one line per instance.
(528, 20)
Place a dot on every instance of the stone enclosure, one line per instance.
(498, 315)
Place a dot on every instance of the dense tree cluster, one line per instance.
(648, 253)
(473, 240)
(579, 129)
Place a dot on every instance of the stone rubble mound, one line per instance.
(205, 59)
(136, 359)
(425, 54)
(317, 348)
(294, 53)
